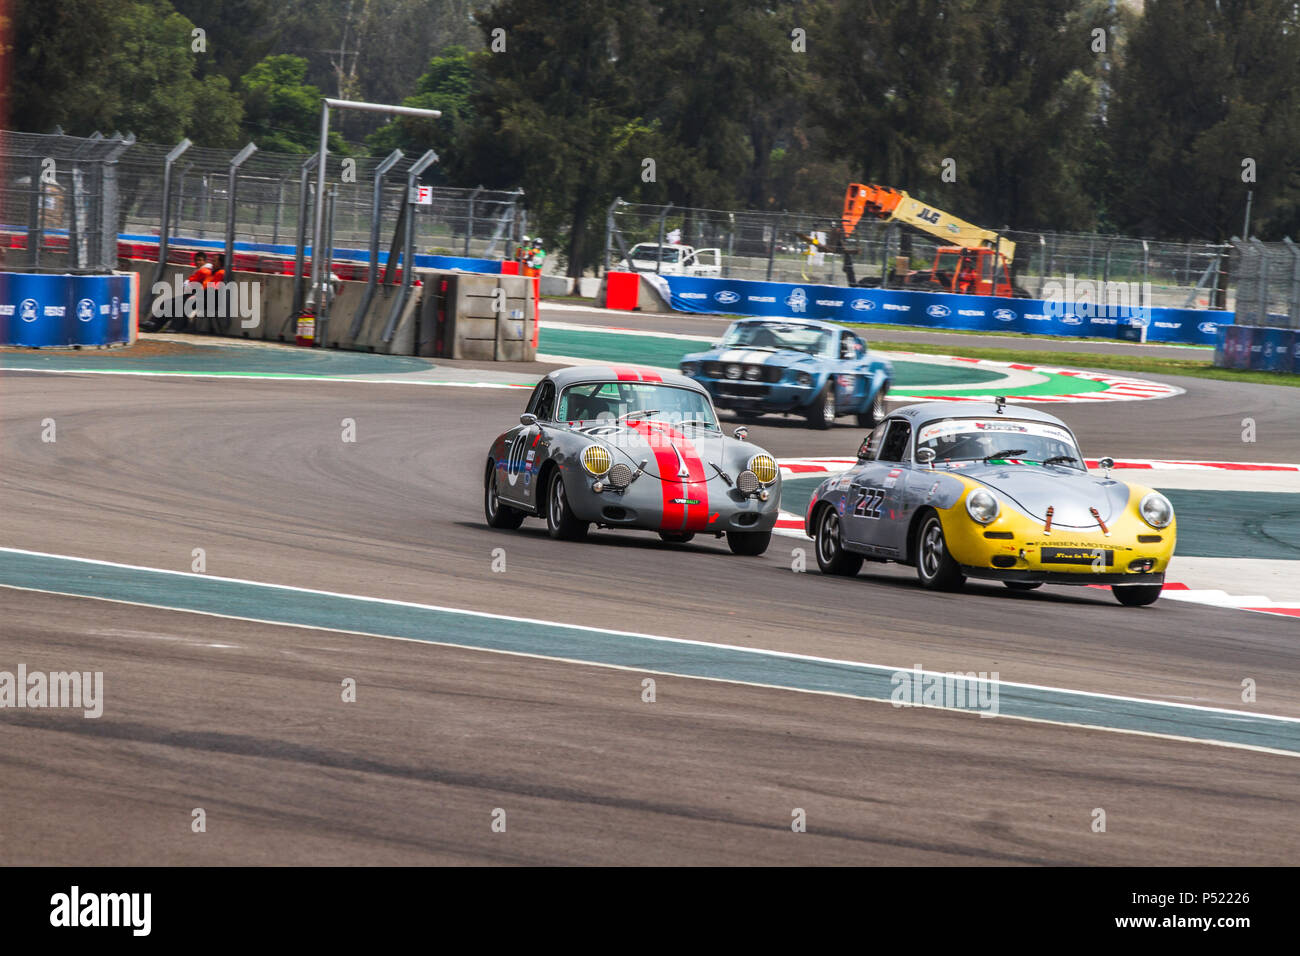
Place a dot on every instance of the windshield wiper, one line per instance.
(697, 421)
(1055, 458)
(1006, 453)
(644, 414)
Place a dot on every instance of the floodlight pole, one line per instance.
(326, 104)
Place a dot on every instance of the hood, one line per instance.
(667, 450)
(1033, 489)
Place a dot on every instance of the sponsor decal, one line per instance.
(895, 307)
(797, 301)
(862, 305)
(833, 303)
(1209, 328)
(56, 311)
(971, 313)
(1071, 319)
(686, 501)
(85, 310)
(770, 299)
(27, 310)
(726, 297)
(1004, 315)
(938, 311)
(694, 295)
(1169, 325)
(6, 310)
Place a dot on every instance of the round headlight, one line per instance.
(620, 476)
(803, 378)
(733, 371)
(752, 372)
(1156, 510)
(764, 468)
(982, 506)
(595, 458)
(747, 482)
(689, 368)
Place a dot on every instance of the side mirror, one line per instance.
(1106, 464)
(741, 433)
(527, 418)
(864, 450)
(925, 456)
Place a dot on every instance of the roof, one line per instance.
(931, 411)
(608, 373)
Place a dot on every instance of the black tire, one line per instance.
(875, 413)
(935, 567)
(821, 413)
(676, 537)
(498, 515)
(1023, 585)
(831, 556)
(560, 521)
(749, 544)
(1137, 595)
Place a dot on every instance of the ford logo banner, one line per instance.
(1004, 315)
(726, 297)
(862, 305)
(939, 311)
(1072, 320)
(1209, 328)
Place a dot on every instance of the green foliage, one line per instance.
(282, 111)
(447, 85)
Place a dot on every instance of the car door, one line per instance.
(854, 368)
(528, 447)
(860, 522)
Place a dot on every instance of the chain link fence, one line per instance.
(806, 247)
(65, 199)
(1267, 278)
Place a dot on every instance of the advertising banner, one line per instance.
(64, 310)
(943, 310)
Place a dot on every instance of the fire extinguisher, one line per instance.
(306, 330)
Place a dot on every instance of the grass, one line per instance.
(887, 327)
(1194, 368)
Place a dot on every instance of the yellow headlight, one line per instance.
(764, 467)
(595, 459)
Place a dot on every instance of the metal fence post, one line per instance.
(771, 246)
(1294, 305)
(408, 242)
(231, 189)
(1262, 252)
(609, 229)
(164, 223)
(469, 225)
(659, 257)
(279, 215)
(301, 251)
(328, 269)
(376, 216)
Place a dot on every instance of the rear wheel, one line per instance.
(831, 556)
(676, 537)
(1137, 595)
(1023, 585)
(748, 543)
(498, 515)
(821, 413)
(935, 567)
(875, 413)
(560, 521)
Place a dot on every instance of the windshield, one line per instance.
(667, 253)
(607, 401)
(974, 439)
(778, 335)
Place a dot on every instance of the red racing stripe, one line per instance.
(676, 491)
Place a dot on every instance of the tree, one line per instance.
(448, 85)
(1205, 87)
(282, 110)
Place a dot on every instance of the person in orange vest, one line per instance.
(219, 273)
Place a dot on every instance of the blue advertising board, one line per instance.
(939, 310)
(39, 310)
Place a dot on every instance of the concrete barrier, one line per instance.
(488, 318)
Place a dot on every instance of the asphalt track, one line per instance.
(244, 718)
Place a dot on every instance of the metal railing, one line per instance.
(1267, 279)
(802, 247)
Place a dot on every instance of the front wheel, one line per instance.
(1137, 595)
(561, 523)
(831, 556)
(498, 515)
(748, 543)
(821, 413)
(934, 565)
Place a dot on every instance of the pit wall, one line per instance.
(933, 310)
(42, 310)
(462, 300)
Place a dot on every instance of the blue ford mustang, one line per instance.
(799, 366)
